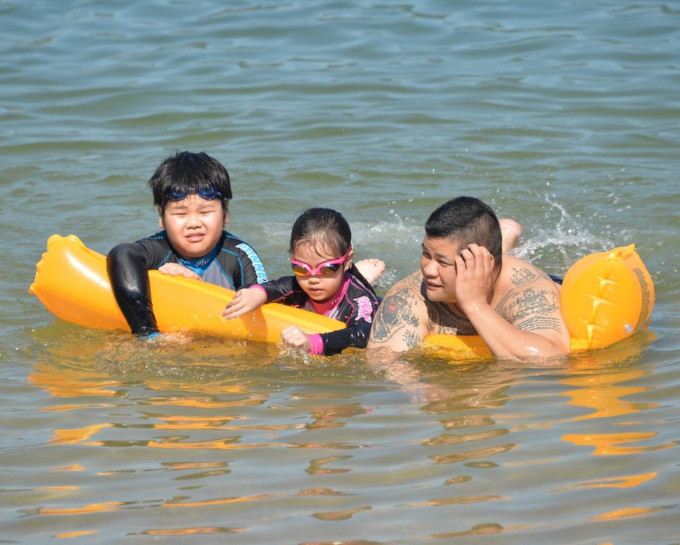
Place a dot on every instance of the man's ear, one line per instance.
(161, 223)
(494, 262)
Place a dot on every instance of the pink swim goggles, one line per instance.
(327, 268)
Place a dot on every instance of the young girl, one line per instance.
(325, 281)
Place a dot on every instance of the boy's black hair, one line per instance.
(186, 171)
(467, 220)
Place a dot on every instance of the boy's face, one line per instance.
(194, 225)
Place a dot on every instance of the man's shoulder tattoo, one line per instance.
(522, 275)
(395, 315)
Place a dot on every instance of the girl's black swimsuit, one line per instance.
(355, 305)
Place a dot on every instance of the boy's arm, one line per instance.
(127, 268)
(252, 270)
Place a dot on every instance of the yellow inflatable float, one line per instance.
(71, 281)
(605, 297)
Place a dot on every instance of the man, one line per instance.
(466, 286)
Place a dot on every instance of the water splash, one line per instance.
(562, 239)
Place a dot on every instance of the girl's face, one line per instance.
(320, 288)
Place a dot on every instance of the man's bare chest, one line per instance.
(445, 321)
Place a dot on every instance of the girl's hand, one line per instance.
(293, 336)
(244, 301)
(175, 269)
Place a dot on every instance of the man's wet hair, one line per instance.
(467, 220)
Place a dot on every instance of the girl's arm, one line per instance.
(283, 290)
(244, 301)
(336, 341)
(360, 310)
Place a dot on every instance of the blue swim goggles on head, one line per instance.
(208, 193)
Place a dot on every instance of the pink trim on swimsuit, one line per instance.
(315, 341)
(328, 306)
(315, 344)
(258, 286)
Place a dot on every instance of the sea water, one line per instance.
(562, 115)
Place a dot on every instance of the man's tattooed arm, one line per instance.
(530, 305)
(397, 324)
(394, 315)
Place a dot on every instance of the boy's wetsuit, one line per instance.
(355, 305)
(231, 264)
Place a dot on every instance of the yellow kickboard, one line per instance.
(71, 281)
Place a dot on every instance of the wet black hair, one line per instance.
(327, 229)
(322, 227)
(186, 171)
(467, 220)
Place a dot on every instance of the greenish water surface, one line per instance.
(563, 115)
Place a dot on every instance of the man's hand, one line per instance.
(474, 277)
(519, 317)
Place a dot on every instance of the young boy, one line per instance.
(192, 193)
